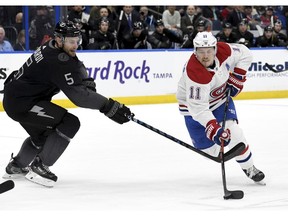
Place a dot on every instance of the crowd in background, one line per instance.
(148, 27)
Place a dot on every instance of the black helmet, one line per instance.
(138, 26)
(244, 21)
(159, 22)
(227, 25)
(66, 29)
(268, 28)
(104, 20)
(201, 23)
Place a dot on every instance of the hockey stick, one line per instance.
(227, 156)
(270, 67)
(236, 194)
(6, 186)
(116, 31)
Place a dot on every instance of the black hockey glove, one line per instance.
(116, 111)
(89, 83)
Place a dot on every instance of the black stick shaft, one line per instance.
(238, 194)
(270, 67)
(226, 192)
(216, 159)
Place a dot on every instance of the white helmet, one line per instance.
(204, 39)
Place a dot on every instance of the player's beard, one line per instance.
(206, 62)
(71, 52)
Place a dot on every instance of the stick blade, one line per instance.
(237, 194)
(6, 186)
(270, 68)
(235, 151)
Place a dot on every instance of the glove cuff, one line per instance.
(212, 128)
(110, 108)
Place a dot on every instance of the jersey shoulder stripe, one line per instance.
(223, 52)
(197, 72)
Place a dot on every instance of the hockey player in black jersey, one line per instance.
(54, 66)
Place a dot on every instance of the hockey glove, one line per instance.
(216, 133)
(116, 111)
(235, 84)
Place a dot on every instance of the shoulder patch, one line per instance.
(63, 57)
(223, 51)
(197, 72)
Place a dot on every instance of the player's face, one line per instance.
(277, 27)
(205, 55)
(160, 29)
(268, 34)
(71, 45)
(104, 26)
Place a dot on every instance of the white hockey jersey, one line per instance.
(201, 90)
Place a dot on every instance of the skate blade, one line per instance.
(262, 183)
(13, 176)
(35, 178)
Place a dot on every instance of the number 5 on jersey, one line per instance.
(69, 78)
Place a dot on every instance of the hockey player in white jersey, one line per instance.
(211, 70)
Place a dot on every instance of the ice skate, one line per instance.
(256, 175)
(13, 171)
(40, 174)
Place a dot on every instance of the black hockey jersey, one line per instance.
(47, 71)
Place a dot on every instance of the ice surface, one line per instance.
(130, 170)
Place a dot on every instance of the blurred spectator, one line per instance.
(148, 21)
(93, 17)
(259, 10)
(172, 19)
(84, 33)
(200, 26)
(236, 16)
(137, 39)
(181, 10)
(253, 20)
(226, 35)
(243, 35)
(94, 23)
(285, 14)
(41, 27)
(78, 12)
(129, 17)
(78, 15)
(225, 12)
(212, 13)
(102, 39)
(282, 38)
(189, 19)
(20, 43)
(8, 14)
(163, 38)
(267, 17)
(18, 22)
(5, 45)
(268, 39)
(112, 13)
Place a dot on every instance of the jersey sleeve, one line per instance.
(242, 57)
(69, 77)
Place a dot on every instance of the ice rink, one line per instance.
(130, 170)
